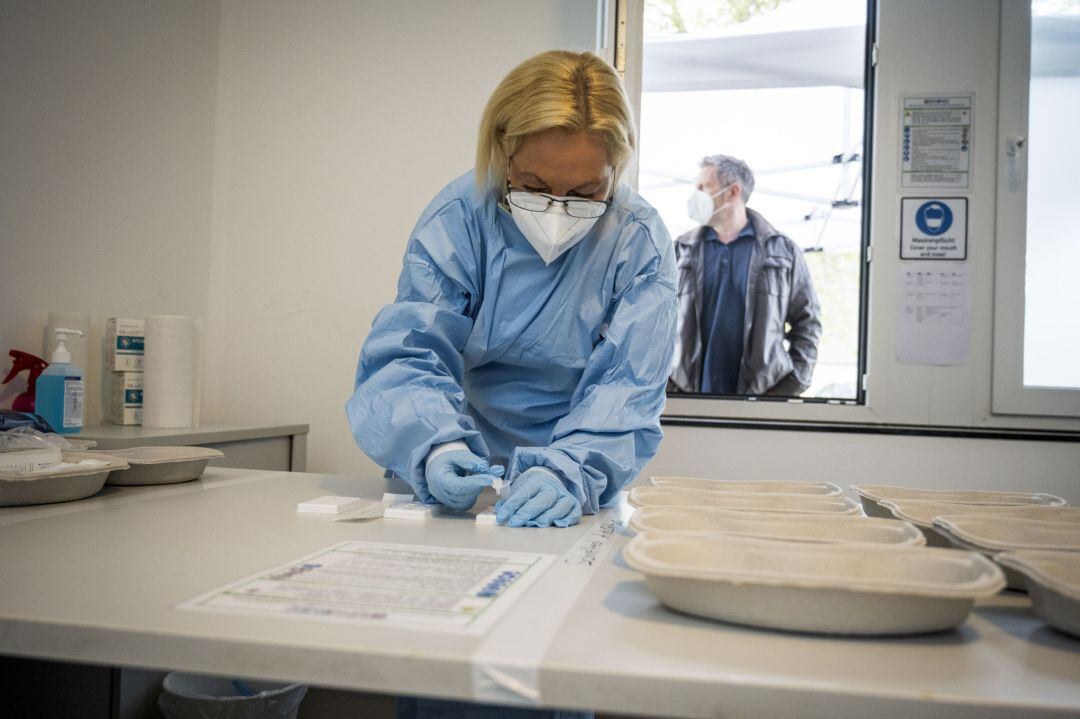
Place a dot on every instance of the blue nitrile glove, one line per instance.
(538, 499)
(457, 478)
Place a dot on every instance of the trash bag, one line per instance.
(198, 696)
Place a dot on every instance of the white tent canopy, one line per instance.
(805, 43)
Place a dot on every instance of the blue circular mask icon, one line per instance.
(934, 218)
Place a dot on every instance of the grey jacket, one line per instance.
(779, 292)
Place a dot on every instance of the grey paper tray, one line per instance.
(161, 465)
(18, 489)
(1053, 580)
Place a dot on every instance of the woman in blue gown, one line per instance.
(534, 322)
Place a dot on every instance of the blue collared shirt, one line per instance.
(723, 311)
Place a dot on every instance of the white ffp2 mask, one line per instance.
(700, 206)
(552, 232)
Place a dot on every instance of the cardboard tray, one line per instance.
(746, 501)
(817, 588)
(872, 495)
(161, 465)
(61, 485)
(921, 513)
(991, 535)
(1053, 580)
(827, 529)
(755, 486)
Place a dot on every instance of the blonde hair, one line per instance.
(558, 89)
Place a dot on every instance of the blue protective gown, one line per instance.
(560, 366)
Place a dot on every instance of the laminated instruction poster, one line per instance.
(404, 585)
(936, 141)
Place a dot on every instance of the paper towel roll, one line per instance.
(78, 346)
(171, 372)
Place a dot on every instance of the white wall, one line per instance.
(337, 122)
(845, 459)
(106, 152)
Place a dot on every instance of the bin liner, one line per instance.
(197, 696)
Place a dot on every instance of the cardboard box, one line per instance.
(126, 398)
(124, 344)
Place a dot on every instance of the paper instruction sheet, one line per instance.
(936, 144)
(933, 325)
(404, 585)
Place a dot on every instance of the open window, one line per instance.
(781, 85)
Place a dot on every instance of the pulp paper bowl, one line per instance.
(921, 513)
(872, 495)
(1053, 580)
(797, 528)
(991, 534)
(754, 486)
(825, 589)
(58, 484)
(161, 465)
(746, 501)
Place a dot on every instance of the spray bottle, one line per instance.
(61, 388)
(24, 360)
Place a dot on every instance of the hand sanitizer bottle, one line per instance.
(61, 387)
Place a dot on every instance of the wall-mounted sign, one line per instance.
(933, 228)
(935, 147)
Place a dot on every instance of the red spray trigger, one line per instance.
(24, 360)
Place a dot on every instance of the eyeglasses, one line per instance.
(580, 207)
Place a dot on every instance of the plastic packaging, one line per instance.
(29, 460)
(61, 388)
(197, 696)
(21, 438)
(11, 419)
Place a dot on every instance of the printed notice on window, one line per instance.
(934, 322)
(936, 141)
(403, 585)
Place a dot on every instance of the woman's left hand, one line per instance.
(538, 499)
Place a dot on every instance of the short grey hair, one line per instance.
(731, 170)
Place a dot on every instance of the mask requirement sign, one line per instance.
(933, 228)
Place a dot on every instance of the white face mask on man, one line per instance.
(700, 208)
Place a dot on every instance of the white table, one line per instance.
(94, 582)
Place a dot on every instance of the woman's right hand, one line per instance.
(458, 477)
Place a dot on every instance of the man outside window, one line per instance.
(744, 289)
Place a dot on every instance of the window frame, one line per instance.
(707, 406)
(1009, 394)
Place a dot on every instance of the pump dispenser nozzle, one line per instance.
(61, 353)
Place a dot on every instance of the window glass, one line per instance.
(1052, 292)
(777, 84)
